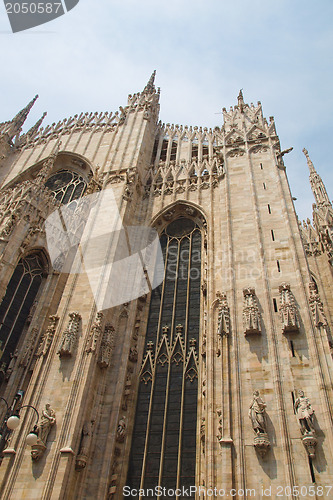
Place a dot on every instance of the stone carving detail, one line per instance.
(48, 336)
(32, 311)
(257, 415)
(69, 336)
(43, 430)
(133, 354)
(29, 347)
(10, 368)
(220, 426)
(235, 153)
(95, 333)
(316, 306)
(288, 310)
(93, 122)
(86, 436)
(127, 390)
(224, 315)
(106, 347)
(305, 413)
(203, 434)
(121, 430)
(95, 182)
(259, 149)
(8, 224)
(132, 180)
(251, 313)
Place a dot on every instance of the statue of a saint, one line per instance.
(47, 421)
(304, 412)
(257, 414)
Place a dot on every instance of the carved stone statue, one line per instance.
(95, 333)
(288, 309)
(43, 429)
(47, 421)
(48, 336)
(133, 354)
(69, 335)
(304, 412)
(251, 313)
(106, 347)
(82, 457)
(257, 414)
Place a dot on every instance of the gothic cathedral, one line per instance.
(213, 378)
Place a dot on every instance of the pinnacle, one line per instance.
(310, 164)
(240, 100)
(19, 119)
(150, 87)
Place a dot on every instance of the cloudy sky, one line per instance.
(279, 52)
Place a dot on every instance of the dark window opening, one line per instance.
(272, 233)
(173, 151)
(153, 156)
(292, 348)
(269, 209)
(195, 150)
(275, 305)
(278, 266)
(164, 150)
(17, 302)
(264, 185)
(261, 166)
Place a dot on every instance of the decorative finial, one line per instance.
(150, 87)
(35, 127)
(309, 162)
(240, 100)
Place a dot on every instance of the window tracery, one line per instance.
(66, 185)
(164, 438)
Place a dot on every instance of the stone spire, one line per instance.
(35, 127)
(317, 185)
(150, 87)
(23, 139)
(15, 126)
(240, 100)
(310, 164)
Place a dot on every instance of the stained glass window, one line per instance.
(66, 185)
(17, 302)
(164, 439)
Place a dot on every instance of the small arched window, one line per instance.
(17, 302)
(66, 185)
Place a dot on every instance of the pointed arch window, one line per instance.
(164, 437)
(66, 185)
(17, 302)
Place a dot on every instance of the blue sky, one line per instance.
(279, 52)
